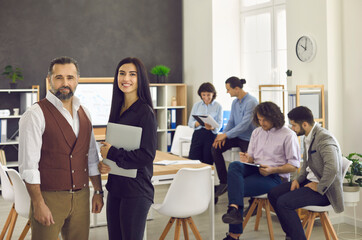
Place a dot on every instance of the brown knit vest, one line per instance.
(64, 157)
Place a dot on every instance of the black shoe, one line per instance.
(232, 216)
(220, 189)
(216, 200)
(228, 237)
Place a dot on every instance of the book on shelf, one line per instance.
(173, 118)
(169, 141)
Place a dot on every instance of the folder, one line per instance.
(173, 118)
(206, 119)
(169, 141)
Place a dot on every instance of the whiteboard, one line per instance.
(97, 98)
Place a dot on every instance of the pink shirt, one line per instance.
(275, 147)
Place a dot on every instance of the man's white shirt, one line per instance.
(31, 129)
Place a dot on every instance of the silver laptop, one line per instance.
(123, 136)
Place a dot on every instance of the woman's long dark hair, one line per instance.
(143, 90)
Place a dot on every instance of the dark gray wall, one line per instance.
(97, 33)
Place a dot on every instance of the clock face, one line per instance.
(305, 49)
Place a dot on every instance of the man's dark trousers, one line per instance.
(285, 202)
(219, 159)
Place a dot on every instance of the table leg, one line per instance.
(212, 210)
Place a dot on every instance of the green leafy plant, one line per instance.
(355, 169)
(160, 70)
(13, 74)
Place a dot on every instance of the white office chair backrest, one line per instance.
(7, 190)
(22, 198)
(345, 165)
(189, 193)
(181, 131)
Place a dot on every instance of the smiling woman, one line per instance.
(131, 105)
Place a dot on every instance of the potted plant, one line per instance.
(13, 74)
(161, 72)
(351, 188)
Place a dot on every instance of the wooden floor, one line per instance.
(156, 226)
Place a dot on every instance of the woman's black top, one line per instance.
(141, 115)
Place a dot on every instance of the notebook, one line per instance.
(126, 137)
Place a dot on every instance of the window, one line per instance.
(264, 46)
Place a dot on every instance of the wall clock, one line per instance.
(305, 48)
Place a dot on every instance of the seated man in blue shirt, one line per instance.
(238, 130)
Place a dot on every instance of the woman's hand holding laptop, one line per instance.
(102, 167)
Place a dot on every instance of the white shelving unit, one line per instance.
(165, 93)
(13, 119)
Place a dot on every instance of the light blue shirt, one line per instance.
(240, 123)
(214, 109)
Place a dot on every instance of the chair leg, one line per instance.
(184, 227)
(25, 230)
(305, 220)
(268, 218)
(7, 223)
(193, 228)
(310, 225)
(167, 228)
(12, 225)
(327, 223)
(177, 229)
(258, 213)
(251, 210)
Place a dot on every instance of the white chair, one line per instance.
(232, 154)
(322, 211)
(22, 199)
(8, 194)
(188, 195)
(182, 141)
(260, 202)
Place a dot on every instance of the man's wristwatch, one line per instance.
(98, 192)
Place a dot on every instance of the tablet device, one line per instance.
(126, 137)
(206, 119)
(252, 164)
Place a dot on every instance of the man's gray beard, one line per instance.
(62, 96)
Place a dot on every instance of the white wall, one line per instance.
(307, 17)
(226, 46)
(334, 69)
(197, 46)
(211, 46)
(337, 65)
(352, 85)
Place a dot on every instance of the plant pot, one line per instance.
(351, 195)
(161, 78)
(13, 85)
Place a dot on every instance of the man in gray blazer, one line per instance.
(320, 180)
